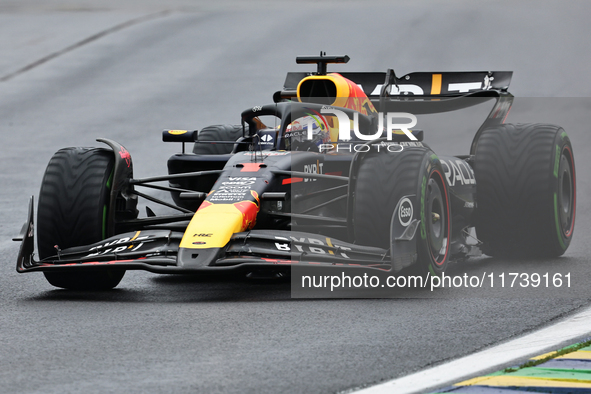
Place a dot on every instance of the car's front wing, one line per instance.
(159, 251)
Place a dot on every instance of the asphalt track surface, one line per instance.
(203, 64)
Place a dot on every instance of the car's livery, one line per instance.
(259, 198)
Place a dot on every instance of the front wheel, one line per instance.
(383, 179)
(73, 207)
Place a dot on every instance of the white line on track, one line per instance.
(535, 343)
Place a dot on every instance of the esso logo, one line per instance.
(405, 212)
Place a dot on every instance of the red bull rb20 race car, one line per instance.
(338, 178)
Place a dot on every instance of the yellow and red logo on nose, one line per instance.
(250, 210)
(219, 222)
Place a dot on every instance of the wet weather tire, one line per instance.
(526, 188)
(73, 202)
(225, 132)
(382, 180)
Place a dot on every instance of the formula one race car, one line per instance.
(339, 178)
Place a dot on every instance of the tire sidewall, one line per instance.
(427, 261)
(561, 238)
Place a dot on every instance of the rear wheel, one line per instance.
(224, 133)
(73, 206)
(383, 179)
(526, 185)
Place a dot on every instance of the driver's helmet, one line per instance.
(296, 135)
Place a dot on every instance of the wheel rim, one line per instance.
(437, 221)
(566, 193)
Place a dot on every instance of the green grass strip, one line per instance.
(569, 349)
(555, 373)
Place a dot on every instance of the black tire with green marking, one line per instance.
(73, 204)
(383, 179)
(526, 188)
(223, 132)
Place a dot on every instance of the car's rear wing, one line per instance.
(422, 92)
(421, 84)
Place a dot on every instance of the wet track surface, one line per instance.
(198, 65)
